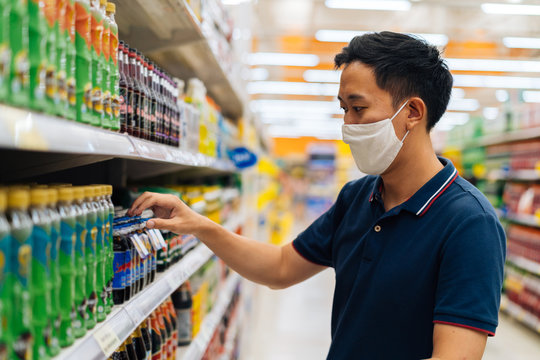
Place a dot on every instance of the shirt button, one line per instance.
(377, 228)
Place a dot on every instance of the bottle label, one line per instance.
(55, 242)
(22, 346)
(183, 324)
(71, 91)
(69, 239)
(5, 59)
(87, 96)
(122, 102)
(61, 83)
(80, 244)
(91, 237)
(107, 103)
(51, 89)
(97, 100)
(128, 267)
(22, 72)
(120, 268)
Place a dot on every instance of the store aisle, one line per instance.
(512, 341)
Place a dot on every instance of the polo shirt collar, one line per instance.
(424, 198)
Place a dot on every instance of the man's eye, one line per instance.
(344, 109)
(358, 108)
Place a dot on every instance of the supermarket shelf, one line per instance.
(525, 264)
(503, 138)
(522, 315)
(49, 148)
(516, 175)
(198, 346)
(101, 341)
(170, 33)
(527, 220)
(232, 334)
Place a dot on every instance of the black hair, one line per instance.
(404, 66)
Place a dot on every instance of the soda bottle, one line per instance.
(152, 101)
(130, 264)
(183, 303)
(143, 64)
(164, 331)
(101, 220)
(123, 90)
(168, 330)
(37, 56)
(130, 348)
(159, 106)
(68, 239)
(120, 354)
(119, 280)
(174, 322)
(83, 61)
(156, 337)
(138, 342)
(40, 274)
(110, 252)
(91, 256)
(69, 90)
(54, 346)
(81, 211)
(60, 56)
(146, 338)
(19, 73)
(17, 287)
(51, 51)
(6, 276)
(5, 51)
(113, 64)
(162, 255)
(96, 31)
(133, 75)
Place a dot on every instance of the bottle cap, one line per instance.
(89, 192)
(3, 200)
(78, 192)
(109, 189)
(53, 195)
(111, 7)
(18, 198)
(39, 196)
(66, 194)
(103, 2)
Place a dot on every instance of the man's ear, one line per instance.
(417, 111)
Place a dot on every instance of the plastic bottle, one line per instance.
(123, 90)
(91, 256)
(19, 74)
(40, 274)
(68, 238)
(144, 96)
(136, 96)
(146, 337)
(102, 247)
(83, 61)
(174, 322)
(114, 70)
(168, 330)
(183, 303)
(109, 273)
(130, 265)
(96, 31)
(120, 353)
(105, 62)
(81, 211)
(163, 330)
(138, 342)
(156, 337)
(119, 280)
(51, 50)
(152, 102)
(37, 53)
(6, 276)
(67, 88)
(159, 105)
(17, 287)
(54, 346)
(5, 51)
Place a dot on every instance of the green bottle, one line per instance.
(70, 38)
(6, 276)
(110, 250)
(20, 342)
(51, 74)
(114, 71)
(101, 252)
(79, 323)
(37, 53)
(40, 274)
(68, 216)
(83, 63)
(106, 61)
(54, 346)
(19, 73)
(96, 31)
(91, 256)
(61, 60)
(5, 51)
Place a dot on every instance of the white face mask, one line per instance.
(374, 146)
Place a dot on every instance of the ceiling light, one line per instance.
(504, 82)
(328, 76)
(502, 95)
(510, 9)
(282, 59)
(490, 113)
(531, 96)
(295, 106)
(301, 131)
(521, 42)
(292, 88)
(458, 93)
(391, 5)
(259, 74)
(451, 119)
(234, 2)
(347, 35)
(493, 65)
(463, 105)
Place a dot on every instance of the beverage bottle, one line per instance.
(6, 276)
(91, 256)
(134, 261)
(138, 342)
(114, 68)
(17, 287)
(54, 346)
(120, 353)
(37, 57)
(130, 262)
(106, 58)
(162, 255)
(120, 265)
(19, 73)
(159, 105)
(81, 211)
(68, 239)
(95, 204)
(152, 101)
(129, 99)
(133, 75)
(51, 51)
(5, 51)
(123, 90)
(40, 280)
(83, 61)
(164, 331)
(174, 322)
(147, 261)
(168, 329)
(68, 90)
(96, 31)
(146, 336)
(156, 337)
(142, 99)
(60, 57)
(109, 273)
(166, 110)
(183, 303)
(130, 348)
(176, 117)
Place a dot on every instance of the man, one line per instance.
(418, 251)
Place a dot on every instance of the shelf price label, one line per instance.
(107, 339)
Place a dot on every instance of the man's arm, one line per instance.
(457, 343)
(266, 264)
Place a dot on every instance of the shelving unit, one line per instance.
(526, 220)
(197, 348)
(170, 33)
(503, 138)
(522, 315)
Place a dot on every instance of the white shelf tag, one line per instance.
(160, 237)
(107, 339)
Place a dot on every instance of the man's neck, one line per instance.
(404, 181)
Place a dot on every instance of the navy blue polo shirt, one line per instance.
(437, 258)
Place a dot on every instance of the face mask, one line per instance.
(374, 146)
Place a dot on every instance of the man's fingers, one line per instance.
(161, 224)
(136, 204)
(146, 204)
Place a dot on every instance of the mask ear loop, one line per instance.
(396, 114)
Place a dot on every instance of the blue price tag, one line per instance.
(242, 158)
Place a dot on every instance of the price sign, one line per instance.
(107, 339)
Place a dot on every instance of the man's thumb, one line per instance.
(161, 224)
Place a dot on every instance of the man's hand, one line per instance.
(457, 343)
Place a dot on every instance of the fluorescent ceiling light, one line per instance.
(279, 117)
(391, 5)
(493, 65)
(282, 59)
(531, 96)
(300, 131)
(295, 106)
(502, 95)
(347, 35)
(451, 119)
(328, 76)
(463, 105)
(234, 2)
(521, 42)
(259, 74)
(292, 88)
(490, 113)
(457, 93)
(510, 9)
(498, 82)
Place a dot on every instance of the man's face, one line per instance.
(360, 97)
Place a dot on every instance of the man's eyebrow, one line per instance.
(353, 97)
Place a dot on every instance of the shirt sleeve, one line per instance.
(315, 243)
(471, 275)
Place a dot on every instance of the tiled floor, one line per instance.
(295, 324)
